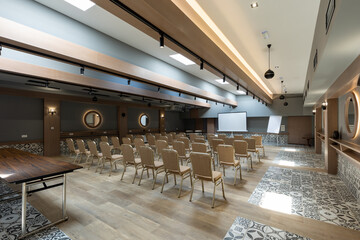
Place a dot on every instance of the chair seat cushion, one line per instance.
(184, 169)
(242, 155)
(216, 175)
(100, 154)
(235, 163)
(116, 156)
(158, 164)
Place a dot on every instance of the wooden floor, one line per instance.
(103, 207)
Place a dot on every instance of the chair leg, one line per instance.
(234, 176)
(141, 175)
(122, 175)
(136, 168)
(223, 169)
(202, 185)
(147, 170)
(182, 179)
(192, 190)
(103, 165)
(174, 179)
(258, 156)
(163, 183)
(222, 186)
(213, 200)
(154, 180)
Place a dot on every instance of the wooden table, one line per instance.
(28, 169)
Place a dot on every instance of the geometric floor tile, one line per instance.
(300, 157)
(10, 220)
(315, 195)
(243, 228)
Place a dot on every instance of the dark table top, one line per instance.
(17, 166)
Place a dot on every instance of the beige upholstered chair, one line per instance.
(157, 136)
(138, 137)
(187, 143)
(163, 133)
(179, 146)
(229, 141)
(104, 139)
(227, 158)
(160, 145)
(171, 165)
(126, 140)
(107, 156)
(209, 135)
(116, 144)
(165, 138)
(252, 147)
(131, 136)
(215, 143)
(148, 162)
(241, 151)
(151, 141)
(238, 137)
(222, 136)
(201, 165)
(199, 147)
(138, 142)
(199, 140)
(72, 150)
(93, 154)
(83, 151)
(129, 159)
(192, 136)
(179, 135)
(170, 138)
(258, 144)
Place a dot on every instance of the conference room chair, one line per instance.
(160, 145)
(173, 134)
(199, 147)
(129, 159)
(138, 142)
(83, 151)
(201, 165)
(187, 143)
(258, 144)
(209, 135)
(199, 140)
(148, 162)
(210, 138)
(180, 134)
(170, 138)
(108, 157)
(222, 136)
(241, 151)
(72, 150)
(116, 144)
(94, 153)
(238, 137)
(215, 143)
(165, 138)
(126, 140)
(131, 136)
(172, 166)
(227, 158)
(151, 141)
(139, 137)
(179, 147)
(192, 136)
(157, 136)
(229, 141)
(252, 147)
(106, 139)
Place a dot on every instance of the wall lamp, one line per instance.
(324, 105)
(52, 111)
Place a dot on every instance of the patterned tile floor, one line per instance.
(10, 220)
(309, 194)
(299, 157)
(246, 229)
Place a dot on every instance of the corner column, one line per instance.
(331, 124)
(51, 127)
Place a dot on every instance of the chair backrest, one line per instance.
(139, 137)
(199, 140)
(240, 147)
(229, 141)
(179, 146)
(258, 140)
(70, 144)
(126, 140)
(160, 145)
(146, 156)
(192, 136)
(131, 136)
(171, 160)
(128, 153)
(222, 136)
(226, 153)
(165, 138)
(115, 141)
(104, 139)
(251, 143)
(170, 138)
(151, 139)
(92, 148)
(238, 137)
(201, 165)
(163, 133)
(210, 138)
(157, 136)
(199, 147)
(216, 142)
(179, 135)
(105, 149)
(81, 145)
(208, 135)
(138, 143)
(186, 141)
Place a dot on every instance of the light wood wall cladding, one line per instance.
(299, 127)
(29, 38)
(331, 124)
(51, 128)
(166, 15)
(162, 126)
(318, 128)
(16, 67)
(210, 125)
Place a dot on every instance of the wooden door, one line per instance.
(299, 127)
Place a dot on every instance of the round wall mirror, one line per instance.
(351, 115)
(92, 119)
(144, 120)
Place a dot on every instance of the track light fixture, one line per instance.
(254, 96)
(201, 64)
(129, 81)
(207, 101)
(258, 99)
(159, 89)
(223, 105)
(215, 103)
(0, 48)
(195, 98)
(162, 40)
(238, 87)
(269, 73)
(265, 104)
(224, 79)
(82, 70)
(179, 94)
(247, 92)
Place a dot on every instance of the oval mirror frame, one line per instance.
(144, 120)
(351, 99)
(92, 124)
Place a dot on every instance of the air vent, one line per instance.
(329, 14)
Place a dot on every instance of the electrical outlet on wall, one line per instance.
(282, 127)
(24, 136)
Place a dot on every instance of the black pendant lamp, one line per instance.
(269, 73)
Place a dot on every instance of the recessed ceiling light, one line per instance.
(182, 59)
(221, 81)
(254, 5)
(241, 92)
(81, 4)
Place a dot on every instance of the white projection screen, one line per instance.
(232, 122)
(274, 124)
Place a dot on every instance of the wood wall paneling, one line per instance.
(318, 128)
(210, 125)
(331, 124)
(299, 127)
(162, 126)
(51, 128)
(199, 124)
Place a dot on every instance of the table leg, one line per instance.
(64, 197)
(23, 209)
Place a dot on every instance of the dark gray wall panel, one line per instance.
(174, 122)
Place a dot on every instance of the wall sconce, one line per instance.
(162, 115)
(314, 111)
(52, 111)
(324, 105)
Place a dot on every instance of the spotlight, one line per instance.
(254, 5)
(162, 40)
(258, 99)
(254, 96)
(313, 111)
(94, 99)
(282, 97)
(194, 98)
(0, 49)
(286, 103)
(224, 79)
(247, 92)
(324, 105)
(179, 94)
(158, 89)
(265, 104)
(238, 87)
(129, 81)
(202, 64)
(215, 103)
(223, 105)
(82, 70)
